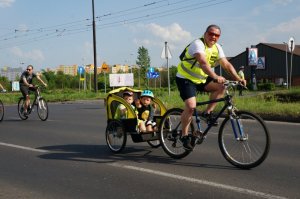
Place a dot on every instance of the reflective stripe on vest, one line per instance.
(191, 73)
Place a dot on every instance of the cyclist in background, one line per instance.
(194, 73)
(26, 85)
(242, 76)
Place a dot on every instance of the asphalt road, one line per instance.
(67, 157)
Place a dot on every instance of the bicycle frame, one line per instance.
(227, 106)
(233, 133)
(36, 97)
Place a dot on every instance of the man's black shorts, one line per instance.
(188, 89)
(25, 89)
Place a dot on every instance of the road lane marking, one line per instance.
(202, 182)
(23, 147)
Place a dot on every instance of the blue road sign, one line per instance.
(80, 70)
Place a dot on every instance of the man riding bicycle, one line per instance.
(26, 85)
(194, 73)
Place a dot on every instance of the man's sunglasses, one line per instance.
(28, 69)
(213, 34)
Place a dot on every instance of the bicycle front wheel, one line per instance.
(244, 140)
(42, 109)
(1, 111)
(170, 133)
(21, 109)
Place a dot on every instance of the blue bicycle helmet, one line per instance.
(147, 93)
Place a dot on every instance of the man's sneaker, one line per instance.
(186, 143)
(25, 113)
(28, 108)
(209, 117)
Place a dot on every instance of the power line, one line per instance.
(150, 11)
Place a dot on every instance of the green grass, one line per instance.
(262, 103)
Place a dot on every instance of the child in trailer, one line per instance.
(145, 112)
(121, 111)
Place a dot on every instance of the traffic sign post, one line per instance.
(291, 45)
(80, 71)
(167, 54)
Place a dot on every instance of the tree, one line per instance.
(50, 77)
(143, 61)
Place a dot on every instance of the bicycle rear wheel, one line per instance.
(116, 136)
(250, 148)
(170, 133)
(21, 109)
(42, 109)
(154, 143)
(1, 111)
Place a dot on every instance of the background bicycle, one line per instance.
(38, 101)
(243, 137)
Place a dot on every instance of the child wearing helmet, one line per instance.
(145, 112)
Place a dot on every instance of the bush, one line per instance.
(266, 86)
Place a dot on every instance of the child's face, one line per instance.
(146, 101)
(128, 99)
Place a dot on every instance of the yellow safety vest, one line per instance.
(190, 68)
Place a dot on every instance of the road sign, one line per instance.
(152, 75)
(118, 80)
(80, 70)
(261, 63)
(291, 44)
(252, 56)
(104, 66)
(164, 54)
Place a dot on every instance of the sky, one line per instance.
(49, 33)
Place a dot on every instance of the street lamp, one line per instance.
(286, 65)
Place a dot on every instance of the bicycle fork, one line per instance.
(40, 103)
(237, 128)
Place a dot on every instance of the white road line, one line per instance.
(23, 147)
(170, 175)
(202, 182)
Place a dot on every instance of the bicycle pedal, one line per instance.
(197, 133)
(199, 141)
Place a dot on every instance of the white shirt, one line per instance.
(197, 46)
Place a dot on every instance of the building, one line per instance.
(274, 60)
(68, 70)
(12, 74)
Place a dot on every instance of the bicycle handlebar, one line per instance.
(230, 83)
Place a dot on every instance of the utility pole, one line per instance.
(95, 50)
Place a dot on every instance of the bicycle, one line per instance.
(1, 111)
(243, 137)
(39, 101)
